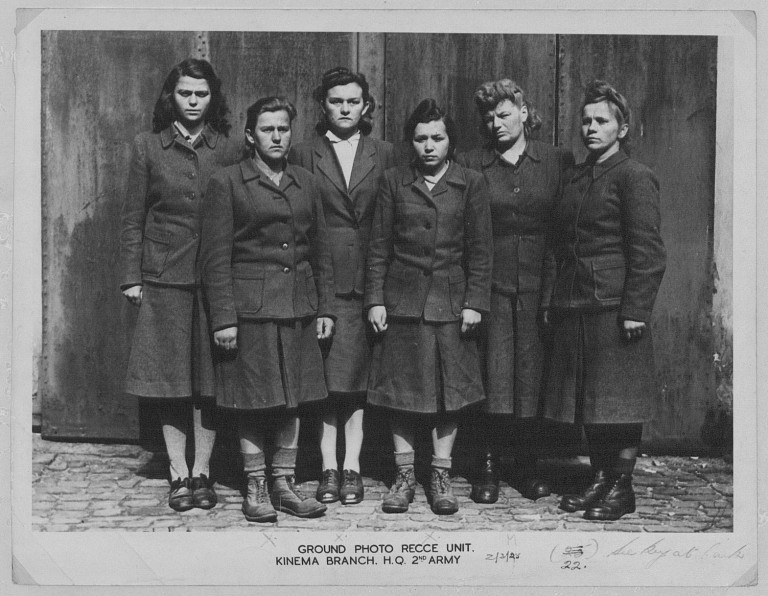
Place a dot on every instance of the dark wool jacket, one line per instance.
(431, 252)
(264, 251)
(348, 211)
(523, 198)
(610, 254)
(160, 233)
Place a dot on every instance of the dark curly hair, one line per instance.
(343, 76)
(165, 108)
(598, 91)
(492, 93)
(429, 111)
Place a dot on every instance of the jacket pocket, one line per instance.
(394, 285)
(248, 293)
(457, 287)
(155, 249)
(345, 251)
(311, 289)
(608, 278)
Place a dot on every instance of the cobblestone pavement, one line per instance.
(86, 486)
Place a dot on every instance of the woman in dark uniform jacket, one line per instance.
(610, 262)
(429, 275)
(171, 353)
(524, 178)
(347, 164)
(267, 274)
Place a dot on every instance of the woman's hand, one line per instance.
(133, 294)
(377, 317)
(632, 329)
(470, 319)
(226, 338)
(324, 327)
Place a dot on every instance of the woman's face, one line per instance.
(600, 130)
(343, 107)
(271, 136)
(505, 123)
(431, 143)
(192, 98)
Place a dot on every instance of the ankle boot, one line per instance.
(485, 489)
(287, 497)
(591, 495)
(256, 506)
(527, 482)
(619, 500)
(401, 493)
(441, 496)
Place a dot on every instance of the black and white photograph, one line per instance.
(384, 297)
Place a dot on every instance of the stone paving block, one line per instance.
(107, 511)
(59, 528)
(585, 526)
(544, 525)
(140, 503)
(65, 518)
(73, 506)
(526, 517)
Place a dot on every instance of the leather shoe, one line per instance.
(256, 506)
(328, 489)
(401, 492)
(441, 496)
(351, 487)
(533, 488)
(287, 497)
(203, 495)
(485, 489)
(591, 495)
(618, 501)
(180, 495)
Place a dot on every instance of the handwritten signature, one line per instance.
(660, 549)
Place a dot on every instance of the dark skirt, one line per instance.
(171, 349)
(276, 363)
(512, 355)
(425, 368)
(347, 354)
(595, 376)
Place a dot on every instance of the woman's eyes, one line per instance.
(185, 93)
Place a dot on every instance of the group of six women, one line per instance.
(325, 272)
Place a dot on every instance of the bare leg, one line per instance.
(328, 435)
(204, 427)
(353, 434)
(175, 421)
(443, 438)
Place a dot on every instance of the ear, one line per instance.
(524, 113)
(623, 130)
(366, 108)
(249, 137)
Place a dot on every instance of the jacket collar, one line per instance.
(454, 176)
(491, 156)
(328, 164)
(168, 136)
(598, 169)
(250, 171)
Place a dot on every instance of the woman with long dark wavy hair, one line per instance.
(170, 358)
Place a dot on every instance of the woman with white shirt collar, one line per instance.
(348, 165)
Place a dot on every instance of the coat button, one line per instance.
(516, 189)
(426, 273)
(191, 175)
(285, 246)
(286, 270)
(190, 195)
(428, 226)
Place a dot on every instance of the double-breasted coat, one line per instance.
(159, 243)
(429, 258)
(349, 213)
(522, 199)
(266, 269)
(610, 263)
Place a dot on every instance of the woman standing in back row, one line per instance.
(524, 177)
(348, 165)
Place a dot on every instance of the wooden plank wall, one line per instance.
(99, 89)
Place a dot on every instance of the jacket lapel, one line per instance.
(364, 162)
(328, 165)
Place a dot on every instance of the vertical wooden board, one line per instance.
(450, 67)
(98, 92)
(370, 61)
(256, 64)
(670, 83)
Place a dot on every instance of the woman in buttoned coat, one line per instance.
(347, 164)
(267, 275)
(428, 283)
(171, 354)
(610, 263)
(524, 178)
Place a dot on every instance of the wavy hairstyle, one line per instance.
(272, 103)
(429, 111)
(343, 76)
(165, 109)
(598, 91)
(492, 93)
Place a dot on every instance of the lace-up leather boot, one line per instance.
(619, 500)
(328, 489)
(441, 495)
(287, 497)
(591, 495)
(401, 493)
(485, 489)
(256, 506)
(352, 490)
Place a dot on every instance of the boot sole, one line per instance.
(261, 519)
(309, 514)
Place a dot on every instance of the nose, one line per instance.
(193, 100)
(496, 122)
(429, 146)
(591, 126)
(345, 108)
(276, 136)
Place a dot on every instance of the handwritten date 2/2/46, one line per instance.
(502, 557)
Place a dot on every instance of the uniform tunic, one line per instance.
(610, 263)
(348, 212)
(266, 269)
(429, 258)
(523, 196)
(159, 242)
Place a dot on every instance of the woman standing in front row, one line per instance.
(171, 353)
(347, 164)
(267, 274)
(610, 263)
(524, 177)
(429, 274)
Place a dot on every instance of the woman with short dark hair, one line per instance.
(524, 177)
(610, 263)
(170, 356)
(348, 165)
(429, 268)
(266, 271)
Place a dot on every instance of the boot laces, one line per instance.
(290, 480)
(258, 487)
(402, 481)
(327, 476)
(443, 482)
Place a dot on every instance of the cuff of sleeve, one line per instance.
(633, 314)
(130, 284)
